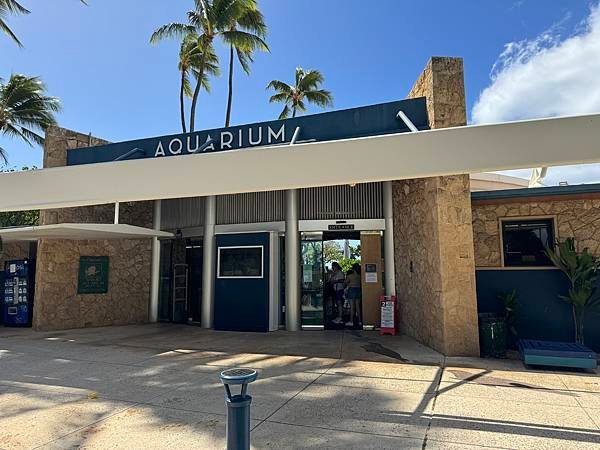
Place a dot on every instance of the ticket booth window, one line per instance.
(240, 262)
(525, 242)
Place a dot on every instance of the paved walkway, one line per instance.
(156, 386)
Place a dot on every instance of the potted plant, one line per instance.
(509, 301)
(581, 268)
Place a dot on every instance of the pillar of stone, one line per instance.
(435, 268)
(57, 304)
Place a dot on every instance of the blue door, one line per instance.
(242, 282)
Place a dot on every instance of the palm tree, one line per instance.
(211, 20)
(10, 7)
(306, 88)
(189, 58)
(25, 109)
(253, 22)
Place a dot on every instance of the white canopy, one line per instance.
(470, 149)
(80, 231)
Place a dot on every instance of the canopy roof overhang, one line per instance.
(469, 149)
(80, 231)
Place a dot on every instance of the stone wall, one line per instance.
(57, 305)
(575, 217)
(435, 270)
(13, 250)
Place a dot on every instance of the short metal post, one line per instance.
(238, 407)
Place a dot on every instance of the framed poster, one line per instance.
(93, 275)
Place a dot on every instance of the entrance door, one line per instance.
(312, 280)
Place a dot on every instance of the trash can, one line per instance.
(492, 336)
(238, 407)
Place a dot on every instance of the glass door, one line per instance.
(312, 280)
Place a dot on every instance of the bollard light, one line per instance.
(238, 407)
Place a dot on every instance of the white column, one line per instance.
(292, 261)
(388, 239)
(208, 262)
(155, 263)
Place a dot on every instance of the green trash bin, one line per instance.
(492, 336)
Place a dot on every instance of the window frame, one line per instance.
(502, 220)
(241, 277)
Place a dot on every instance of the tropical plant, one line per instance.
(25, 109)
(211, 20)
(10, 7)
(306, 87)
(510, 302)
(13, 7)
(581, 268)
(253, 23)
(189, 59)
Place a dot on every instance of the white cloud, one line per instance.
(544, 77)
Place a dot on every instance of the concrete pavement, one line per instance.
(156, 386)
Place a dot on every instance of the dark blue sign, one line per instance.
(349, 123)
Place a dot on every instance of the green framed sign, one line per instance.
(93, 275)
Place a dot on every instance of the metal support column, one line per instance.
(388, 239)
(208, 262)
(155, 265)
(292, 261)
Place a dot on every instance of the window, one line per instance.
(525, 242)
(240, 262)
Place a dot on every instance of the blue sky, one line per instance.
(113, 83)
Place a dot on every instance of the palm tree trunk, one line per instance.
(230, 96)
(293, 112)
(197, 92)
(182, 102)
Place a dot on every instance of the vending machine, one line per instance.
(18, 293)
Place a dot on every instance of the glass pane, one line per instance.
(312, 282)
(240, 262)
(525, 242)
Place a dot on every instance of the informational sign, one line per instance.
(388, 315)
(370, 273)
(341, 227)
(93, 275)
(370, 277)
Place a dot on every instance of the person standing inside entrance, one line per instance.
(338, 282)
(354, 295)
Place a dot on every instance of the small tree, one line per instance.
(581, 268)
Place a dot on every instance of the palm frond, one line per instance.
(279, 98)
(171, 30)
(280, 86)
(245, 58)
(244, 41)
(3, 156)
(311, 80)
(319, 97)
(12, 7)
(253, 21)
(285, 113)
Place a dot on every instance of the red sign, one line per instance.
(388, 315)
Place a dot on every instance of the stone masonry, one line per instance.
(57, 304)
(435, 270)
(575, 217)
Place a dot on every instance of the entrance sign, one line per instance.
(93, 275)
(349, 123)
(341, 227)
